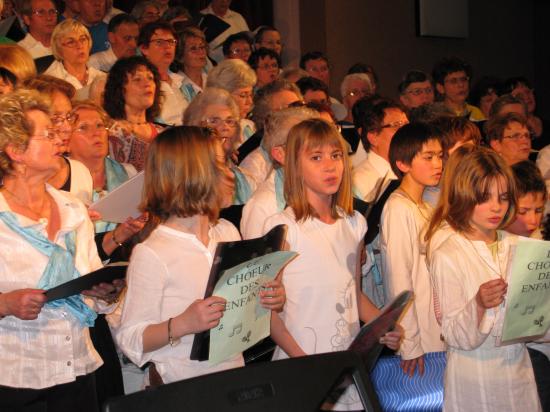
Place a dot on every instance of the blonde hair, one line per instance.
(304, 136)
(18, 61)
(466, 183)
(231, 74)
(15, 127)
(182, 175)
(64, 29)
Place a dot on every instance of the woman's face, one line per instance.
(89, 138)
(75, 49)
(221, 119)
(61, 118)
(194, 54)
(244, 99)
(42, 155)
(139, 91)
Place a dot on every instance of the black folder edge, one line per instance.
(367, 342)
(225, 258)
(107, 274)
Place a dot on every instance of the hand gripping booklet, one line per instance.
(367, 342)
(106, 274)
(227, 256)
(122, 202)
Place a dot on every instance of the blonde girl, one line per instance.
(324, 298)
(468, 258)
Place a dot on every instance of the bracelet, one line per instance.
(170, 337)
(114, 239)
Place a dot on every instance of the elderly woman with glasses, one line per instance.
(71, 44)
(132, 100)
(239, 79)
(216, 109)
(47, 240)
(510, 137)
(191, 56)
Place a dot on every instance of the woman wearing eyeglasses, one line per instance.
(71, 44)
(47, 357)
(191, 56)
(216, 109)
(132, 100)
(509, 136)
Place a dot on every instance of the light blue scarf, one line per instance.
(188, 91)
(242, 187)
(60, 267)
(247, 132)
(115, 175)
(279, 189)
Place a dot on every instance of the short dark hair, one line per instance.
(430, 112)
(262, 53)
(511, 83)
(449, 65)
(368, 114)
(528, 179)
(149, 29)
(114, 100)
(314, 55)
(495, 126)
(120, 19)
(240, 36)
(407, 142)
(502, 101)
(414, 76)
(483, 87)
(311, 83)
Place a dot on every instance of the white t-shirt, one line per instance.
(34, 47)
(173, 102)
(167, 273)
(368, 175)
(257, 165)
(259, 207)
(321, 310)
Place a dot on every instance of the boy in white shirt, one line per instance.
(416, 156)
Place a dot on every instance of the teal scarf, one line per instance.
(60, 267)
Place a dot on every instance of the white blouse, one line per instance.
(167, 273)
(57, 69)
(481, 375)
(54, 348)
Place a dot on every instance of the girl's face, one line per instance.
(487, 216)
(322, 170)
(529, 215)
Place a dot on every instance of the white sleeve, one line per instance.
(397, 235)
(253, 219)
(543, 162)
(142, 304)
(459, 316)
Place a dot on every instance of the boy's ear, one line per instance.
(278, 154)
(405, 168)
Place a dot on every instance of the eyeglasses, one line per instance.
(518, 136)
(49, 134)
(218, 121)
(418, 92)
(359, 93)
(74, 43)
(456, 80)
(197, 49)
(164, 42)
(91, 128)
(44, 13)
(394, 125)
(273, 66)
(59, 119)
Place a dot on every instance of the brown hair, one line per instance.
(466, 183)
(495, 126)
(455, 130)
(304, 136)
(49, 84)
(182, 175)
